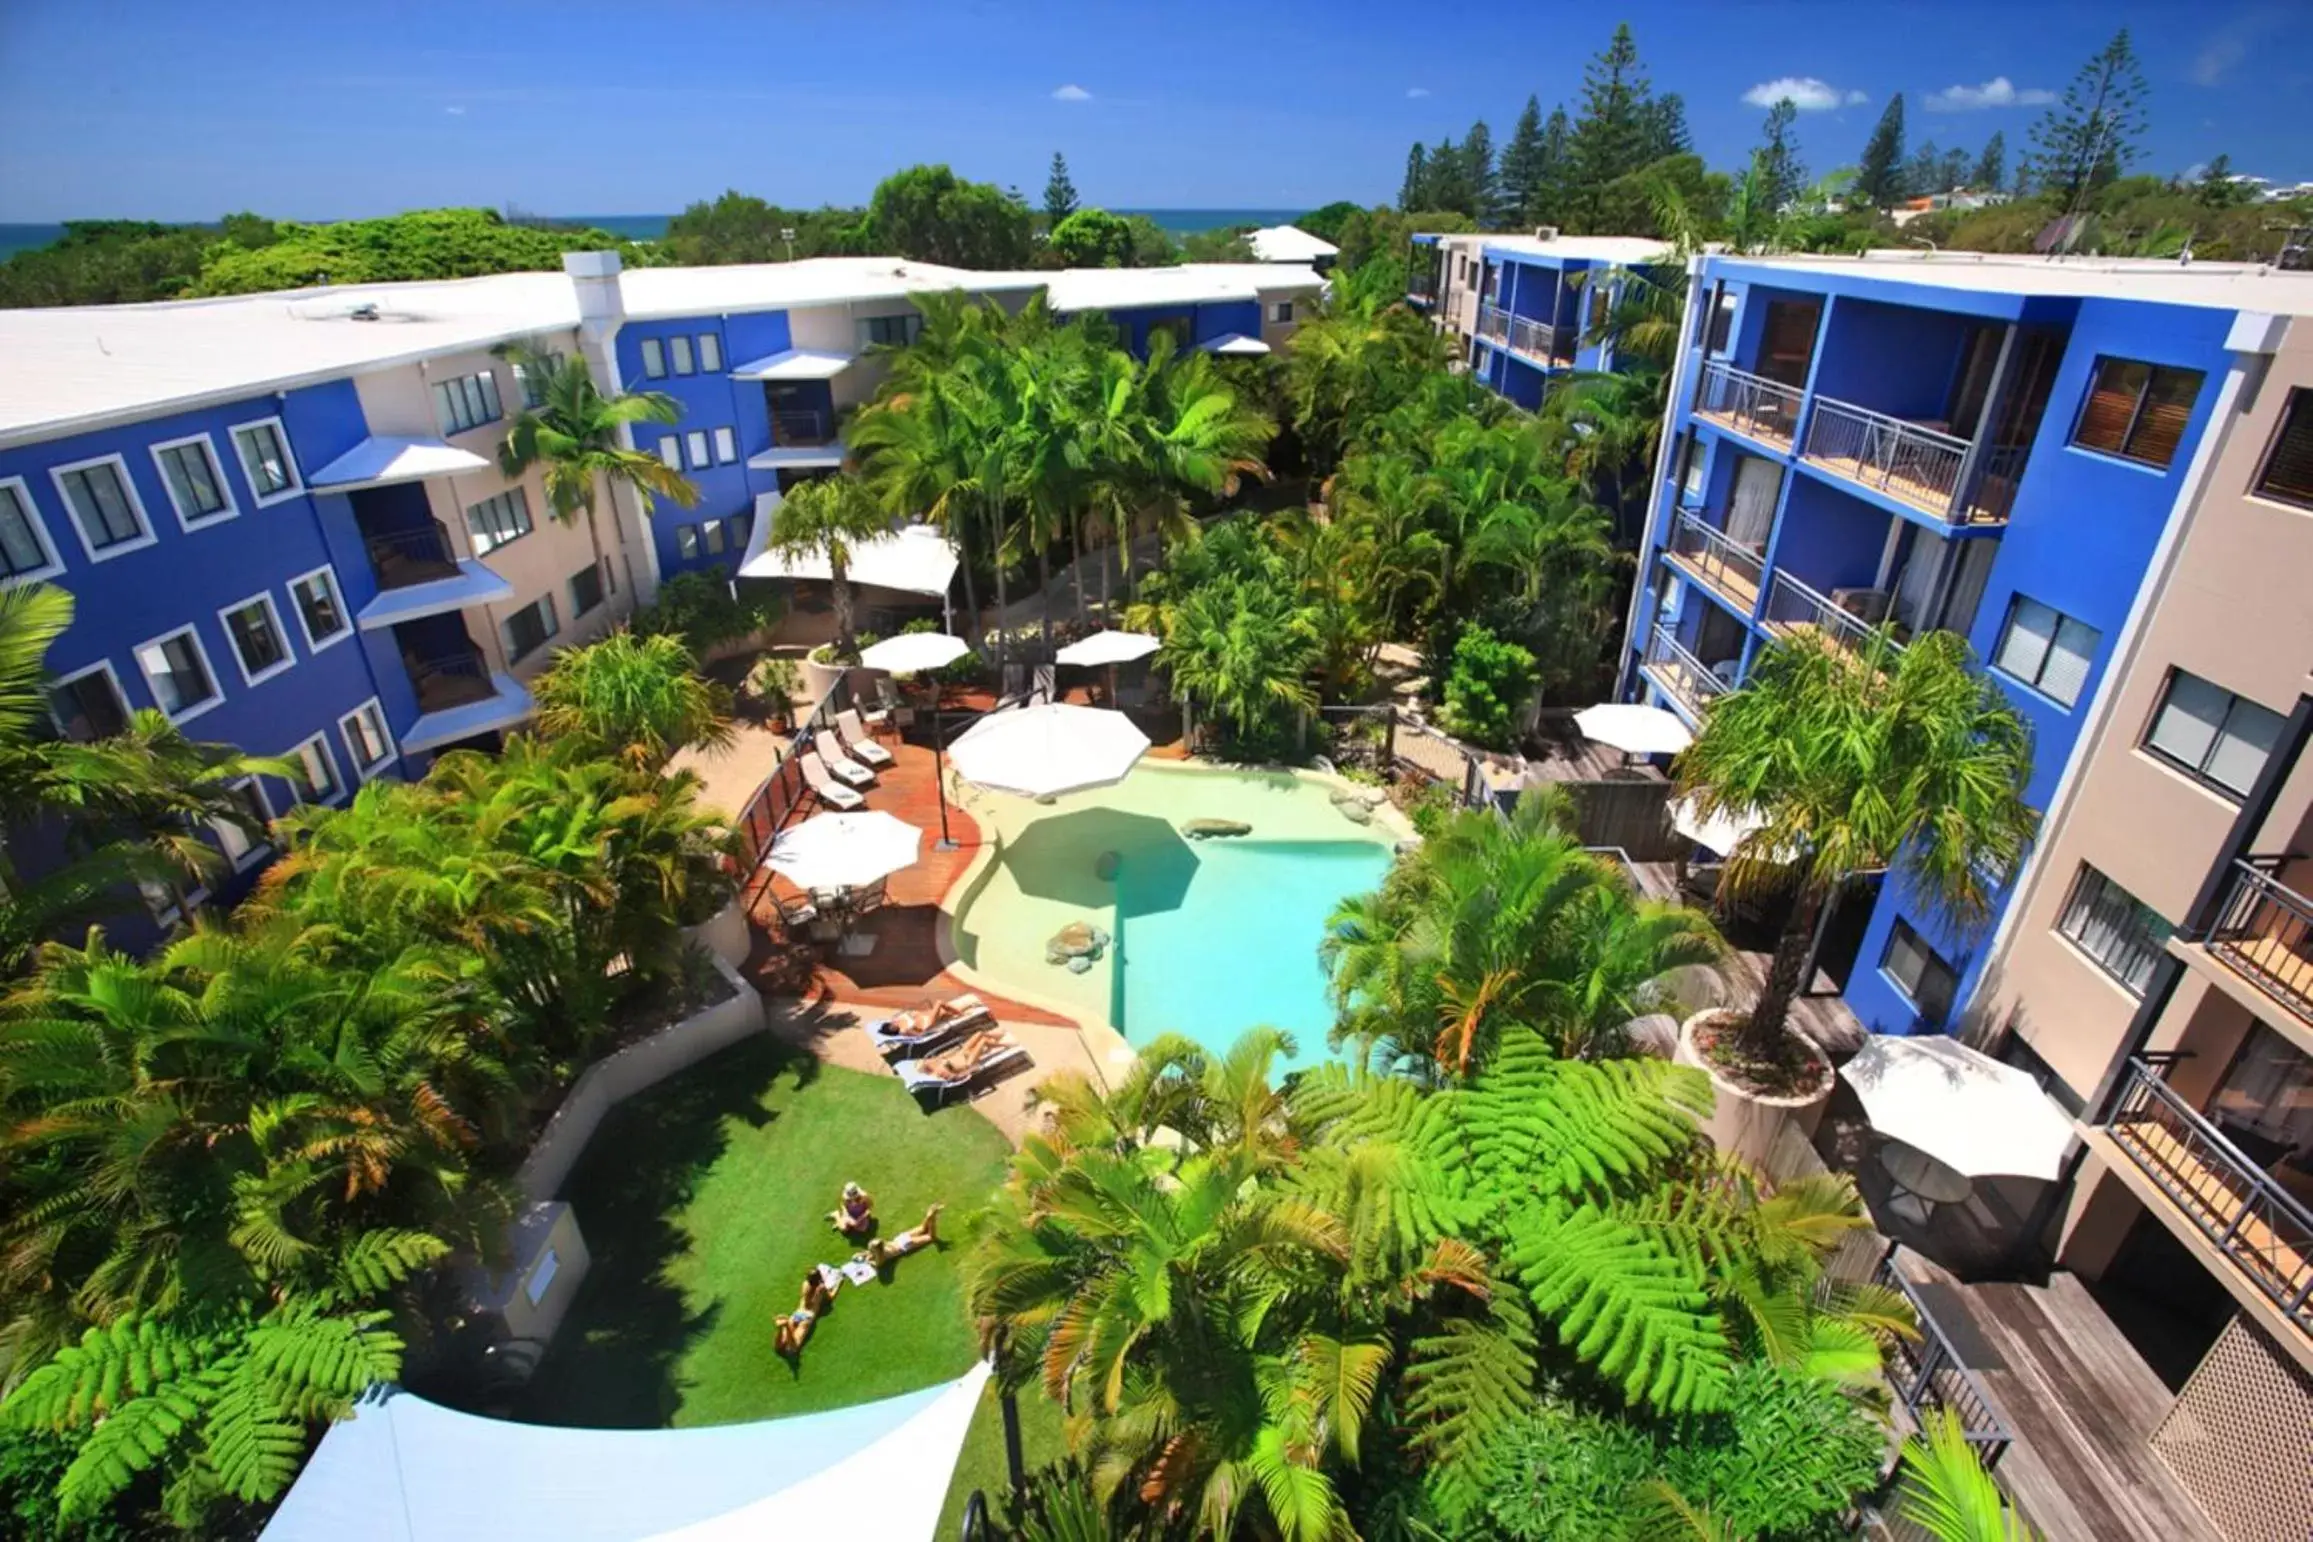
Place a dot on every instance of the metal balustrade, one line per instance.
(2266, 932)
(1910, 461)
(1796, 606)
(449, 679)
(1927, 1373)
(1681, 673)
(2261, 1227)
(803, 426)
(1765, 409)
(417, 556)
(1713, 557)
(1494, 324)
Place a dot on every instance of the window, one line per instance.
(1281, 311)
(532, 376)
(726, 447)
(671, 452)
(1690, 469)
(687, 541)
(265, 459)
(2212, 734)
(710, 354)
(1919, 972)
(889, 331)
(240, 847)
(254, 627)
(696, 442)
(24, 550)
(2137, 410)
(366, 739)
(498, 519)
(529, 628)
(469, 401)
(654, 359)
(2288, 473)
(196, 487)
(319, 609)
(88, 704)
(2113, 927)
(713, 535)
(1722, 324)
(177, 668)
(680, 349)
(2046, 650)
(104, 507)
(1599, 296)
(317, 779)
(742, 526)
(585, 590)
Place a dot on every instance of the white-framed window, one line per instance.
(466, 401)
(2211, 734)
(320, 608)
(726, 446)
(687, 541)
(265, 459)
(585, 590)
(104, 506)
(1919, 971)
(368, 743)
(713, 535)
(532, 375)
(710, 354)
(241, 849)
(1281, 311)
(25, 550)
(2046, 650)
(196, 483)
(654, 359)
(2125, 936)
(259, 643)
(88, 703)
(531, 628)
(176, 668)
(679, 351)
(317, 780)
(498, 519)
(671, 452)
(696, 443)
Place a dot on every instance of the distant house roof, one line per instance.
(1191, 283)
(1289, 243)
(1621, 251)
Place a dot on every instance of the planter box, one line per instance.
(1748, 1123)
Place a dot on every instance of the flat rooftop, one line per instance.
(1621, 251)
(2234, 286)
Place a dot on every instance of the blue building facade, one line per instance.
(1850, 446)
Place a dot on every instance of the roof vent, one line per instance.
(366, 311)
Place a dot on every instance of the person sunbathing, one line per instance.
(881, 1252)
(820, 1283)
(966, 1057)
(918, 1022)
(855, 1216)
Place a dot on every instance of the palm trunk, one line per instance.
(1003, 602)
(1076, 569)
(971, 598)
(841, 583)
(1763, 1030)
(1044, 576)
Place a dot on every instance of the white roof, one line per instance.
(1194, 283)
(1619, 250)
(772, 286)
(383, 458)
(1289, 243)
(1235, 344)
(2236, 286)
(915, 559)
(796, 364)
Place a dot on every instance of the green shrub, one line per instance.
(1490, 681)
(702, 610)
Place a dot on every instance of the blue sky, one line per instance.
(330, 108)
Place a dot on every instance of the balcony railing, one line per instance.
(1911, 461)
(1765, 409)
(802, 428)
(418, 556)
(2266, 932)
(449, 680)
(1681, 673)
(1710, 555)
(1927, 1374)
(1520, 334)
(1494, 324)
(2257, 1224)
(1794, 606)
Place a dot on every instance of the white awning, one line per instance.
(1234, 344)
(796, 364)
(383, 459)
(915, 559)
(1289, 243)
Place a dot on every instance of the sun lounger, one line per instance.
(971, 1012)
(857, 741)
(829, 748)
(934, 1091)
(831, 792)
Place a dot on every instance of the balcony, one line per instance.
(2265, 934)
(801, 437)
(419, 573)
(1522, 335)
(1687, 680)
(1917, 464)
(2215, 1193)
(1764, 410)
(458, 697)
(1928, 1373)
(1797, 609)
(1494, 324)
(1729, 569)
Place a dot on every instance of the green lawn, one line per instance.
(702, 1202)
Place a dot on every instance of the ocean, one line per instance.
(650, 227)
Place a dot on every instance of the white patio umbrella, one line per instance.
(844, 851)
(1964, 1109)
(1052, 748)
(915, 653)
(1722, 833)
(1109, 647)
(1634, 729)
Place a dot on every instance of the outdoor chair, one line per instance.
(831, 792)
(859, 742)
(892, 1039)
(829, 748)
(933, 1092)
(867, 897)
(795, 915)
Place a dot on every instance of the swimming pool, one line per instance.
(1209, 937)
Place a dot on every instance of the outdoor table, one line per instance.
(1920, 1182)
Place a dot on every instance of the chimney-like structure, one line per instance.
(601, 312)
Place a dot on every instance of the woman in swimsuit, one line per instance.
(855, 1216)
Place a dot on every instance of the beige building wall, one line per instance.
(1463, 276)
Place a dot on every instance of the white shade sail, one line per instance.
(1235, 345)
(1634, 729)
(1041, 751)
(1108, 647)
(795, 364)
(1965, 1109)
(383, 459)
(915, 559)
(1722, 832)
(911, 653)
(839, 851)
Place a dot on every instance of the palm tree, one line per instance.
(1910, 762)
(572, 436)
(1244, 650)
(641, 697)
(1947, 1493)
(826, 517)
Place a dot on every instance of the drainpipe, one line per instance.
(601, 313)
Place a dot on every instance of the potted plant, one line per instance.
(1847, 761)
(772, 683)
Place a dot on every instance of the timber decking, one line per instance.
(1737, 588)
(1752, 429)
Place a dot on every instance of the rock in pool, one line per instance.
(1206, 829)
(1356, 813)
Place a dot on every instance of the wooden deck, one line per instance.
(2211, 1198)
(1923, 496)
(1731, 584)
(2082, 1404)
(1751, 430)
(2270, 964)
(1827, 1021)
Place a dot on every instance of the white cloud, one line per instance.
(1804, 92)
(455, 112)
(1999, 91)
(1072, 94)
(1417, 91)
(2233, 42)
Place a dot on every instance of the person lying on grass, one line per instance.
(882, 1251)
(967, 1057)
(820, 1283)
(855, 1216)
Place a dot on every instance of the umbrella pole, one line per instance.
(940, 770)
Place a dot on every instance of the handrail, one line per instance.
(1906, 460)
(1763, 408)
(454, 679)
(801, 427)
(1709, 547)
(1933, 1358)
(1688, 677)
(1794, 602)
(1494, 323)
(416, 556)
(2260, 909)
(2146, 1099)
